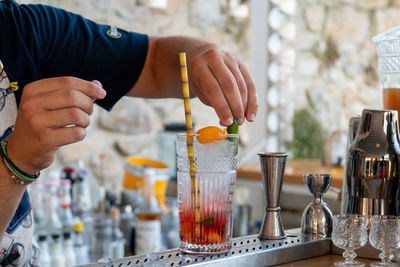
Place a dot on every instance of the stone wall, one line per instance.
(336, 70)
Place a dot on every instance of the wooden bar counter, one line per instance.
(294, 171)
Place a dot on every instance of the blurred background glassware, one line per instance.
(385, 236)
(317, 217)
(241, 220)
(166, 145)
(371, 180)
(134, 172)
(349, 233)
(387, 46)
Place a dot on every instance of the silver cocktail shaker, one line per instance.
(354, 122)
(371, 182)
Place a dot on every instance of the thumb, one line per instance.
(96, 82)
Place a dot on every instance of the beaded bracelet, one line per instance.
(19, 176)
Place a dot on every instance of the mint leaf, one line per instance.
(233, 128)
(209, 220)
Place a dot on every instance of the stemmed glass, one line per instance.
(385, 236)
(349, 232)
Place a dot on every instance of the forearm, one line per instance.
(11, 194)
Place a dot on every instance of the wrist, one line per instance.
(18, 160)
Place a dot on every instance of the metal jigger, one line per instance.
(272, 169)
(317, 217)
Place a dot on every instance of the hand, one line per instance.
(223, 82)
(52, 113)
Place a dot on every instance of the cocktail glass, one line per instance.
(385, 236)
(349, 233)
(206, 182)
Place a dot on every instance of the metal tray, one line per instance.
(246, 251)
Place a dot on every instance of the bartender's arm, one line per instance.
(216, 77)
(46, 107)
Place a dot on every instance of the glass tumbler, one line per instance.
(206, 181)
(349, 233)
(385, 236)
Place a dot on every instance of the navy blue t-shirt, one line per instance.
(38, 41)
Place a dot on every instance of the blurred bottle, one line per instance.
(126, 224)
(102, 236)
(134, 200)
(81, 205)
(68, 247)
(65, 213)
(170, 224)
(56, 252)
(53, 223)
(45, 259)
(166, 145)
(102, 227)
(68, 173)
(117, 242)
(79, 199)
(81, 249)
(148, 218)
(36, 194)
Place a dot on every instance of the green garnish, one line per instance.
(209, 220)
(233, 128)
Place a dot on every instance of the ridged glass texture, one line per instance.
(206, 200)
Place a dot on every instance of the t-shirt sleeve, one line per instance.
(66, 44)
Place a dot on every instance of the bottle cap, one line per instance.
(78, 227)
(115, 214)
(67, 235)
(55, 236)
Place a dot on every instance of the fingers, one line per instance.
(215, 96)
(91, 89)
(67, 135)
(65, 117)
(229, 88)
(222, 81)
(233, 66)
(61, 99)
(252, 101)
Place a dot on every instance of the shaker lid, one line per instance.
(388, 42)
(388, 48)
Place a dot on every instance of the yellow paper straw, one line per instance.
(186, 94)
(195, 186)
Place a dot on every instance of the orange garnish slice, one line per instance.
(211, 134)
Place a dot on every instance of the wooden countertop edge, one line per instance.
(294, 172)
